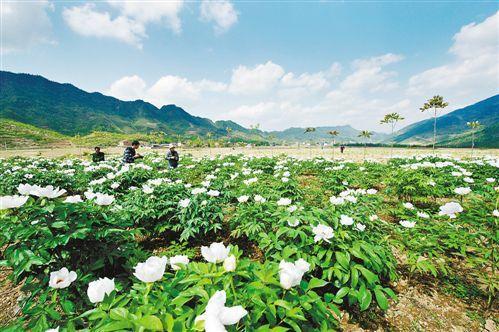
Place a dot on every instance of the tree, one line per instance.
(392, 119)
(474, 125)
(310, 130)
(333, 133)
(366, 134)
(435, 103)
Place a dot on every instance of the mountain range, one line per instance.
(67, 110)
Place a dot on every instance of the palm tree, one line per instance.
(474, 125)
(435, 103)
(310, 130)
(366, 134)
(333, 133)
(392, 119)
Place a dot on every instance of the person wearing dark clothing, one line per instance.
(129, 155)
(342, 148)
(172, 157)
(98, 156)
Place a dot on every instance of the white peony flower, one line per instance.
(371, 191)
(290, 274)
(184, 203)
(48, 191)
(336, 200)
(259, 199)
(103, 199)
(423, 215)
(73, 199)
(152, 269)
(490, 180)
(293, 222)
(243, 199)
(10, 202)
(432, 183)
(360, 227)
(450, 209)
(213, 193)
(217, 315)
(53, 330)
(284, 202)
(179, 259)
(322, 232)
(97, 289)
(284, 179)
(407, 223)
(373, 217)
(495, 213)
(292, 208)
(468, 180)
(346, 220)
(197, 191)
(215, 253)
(230, 263)
(462, 190)
(408, 206)
(147, 189)
(62, 278)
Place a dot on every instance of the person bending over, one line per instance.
(129, 155)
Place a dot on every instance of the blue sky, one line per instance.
(278, 64)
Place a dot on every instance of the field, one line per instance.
(267, 239)
(351, 153)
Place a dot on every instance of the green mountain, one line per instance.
(452, 129)
(64, 108)
(346, 135)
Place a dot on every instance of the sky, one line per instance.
(276, 64)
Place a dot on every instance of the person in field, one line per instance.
(98, 155)
(130, 153)
(172, 157)
(342, 148)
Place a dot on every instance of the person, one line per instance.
(98, 155)
(129, 155)
(342, 148)
(172, 157)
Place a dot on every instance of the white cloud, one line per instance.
(369, 76)
(129, 26)
(86, 21)
(168, 89)
(25, 24)
(473, 72)
(220, 12)
(261, 78)
(128, 88)
(152, 12)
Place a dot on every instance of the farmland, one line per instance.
(251, 240)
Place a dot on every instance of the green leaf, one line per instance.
(151, 322)
(316, 283)
(381, 298)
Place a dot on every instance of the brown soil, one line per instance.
(9, 295)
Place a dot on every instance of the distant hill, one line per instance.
(64, 108)
(346, 135)
(452, 129)
(18, 134)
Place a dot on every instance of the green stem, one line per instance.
(146, 294)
